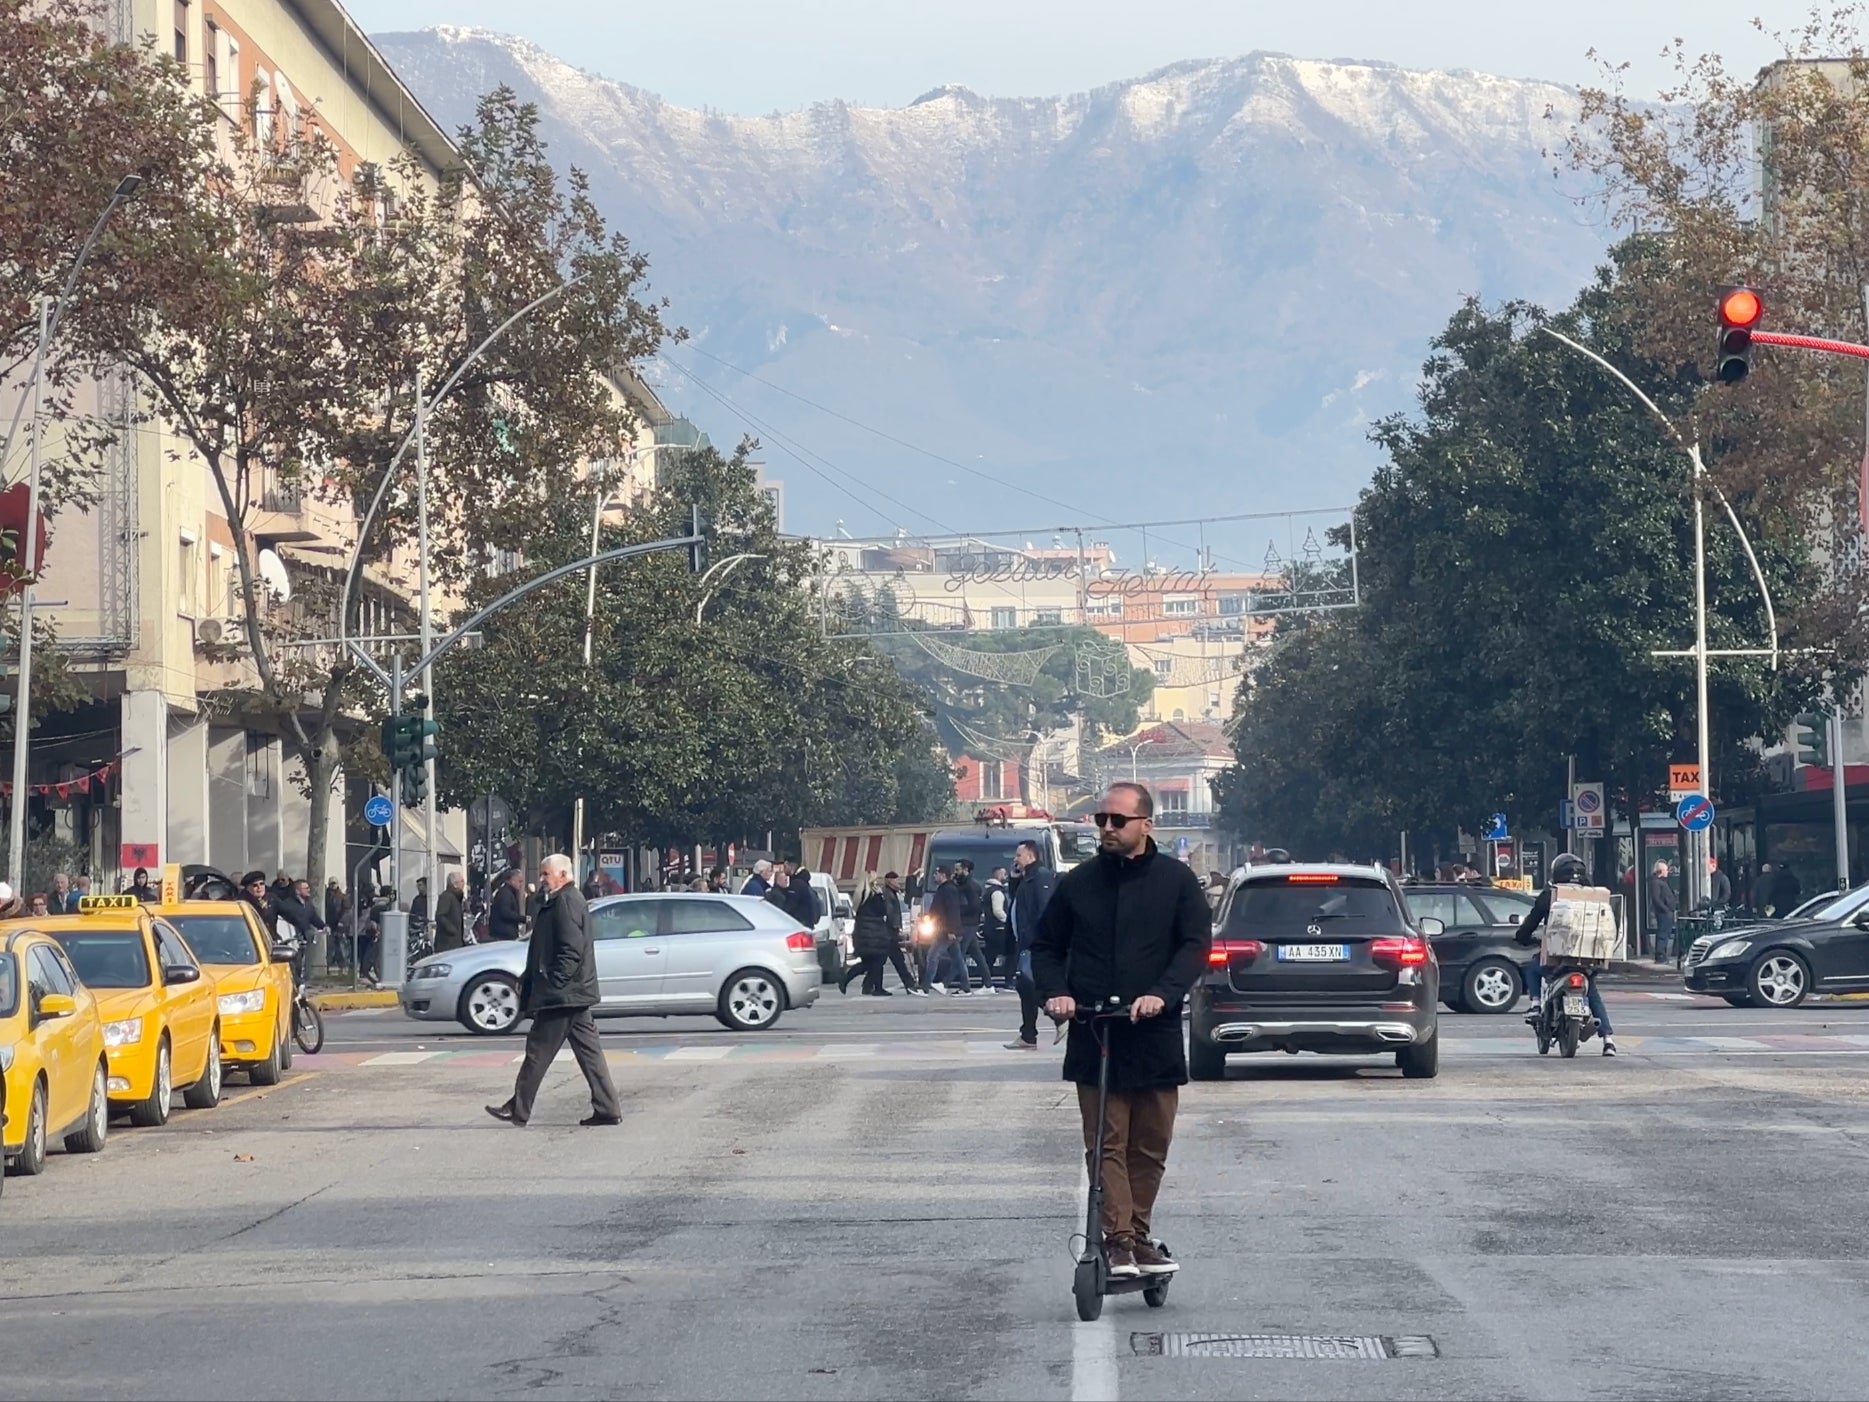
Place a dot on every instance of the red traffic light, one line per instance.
(1741, 307)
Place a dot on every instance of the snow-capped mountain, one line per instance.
(1182, 295)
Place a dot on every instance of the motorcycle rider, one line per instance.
(1567, 870)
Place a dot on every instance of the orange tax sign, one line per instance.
(1683, 778)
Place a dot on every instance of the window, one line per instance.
(1174, 802)
(173, 950)
(1048, 618)
(48, 976)
(220, 939)
(211, 62)
(114, 959)
(992, 779)
(1232, 605)
(1106, 608)
(702, 917)
(188, 579)
(181, 31)
(1164, 667)
(262, 110)
(626, 920)
(1181, 608)
(1179, 714)
(1005, 618)
(9, 986)
(259, 766)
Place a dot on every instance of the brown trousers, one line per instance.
(1135, 1152)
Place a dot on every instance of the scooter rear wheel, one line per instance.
(1156, 1295)
(1088, 1291)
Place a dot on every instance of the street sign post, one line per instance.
(1694, 813)
(378, 810)
(1496, 830)
(1589, 811)
(1567, 815)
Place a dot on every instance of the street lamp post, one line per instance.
(1700, 652)
(1134, 749)
(49, 313)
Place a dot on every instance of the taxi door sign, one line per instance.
(171, 884)
(87, 904)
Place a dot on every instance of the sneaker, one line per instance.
(1122, 1260)
(938, 986)
(1020, 1044)
(916, 992)
(1609, 1046)
(1152, 1259)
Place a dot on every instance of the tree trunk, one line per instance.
(321, 765)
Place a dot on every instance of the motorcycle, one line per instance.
(1562, 1015)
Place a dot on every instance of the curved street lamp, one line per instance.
(50, 312)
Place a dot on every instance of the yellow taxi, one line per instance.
(53, 1072)
(159, 1006)
(254, 989)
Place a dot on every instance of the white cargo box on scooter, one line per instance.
(1581, 928)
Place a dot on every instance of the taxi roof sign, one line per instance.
(87, 904)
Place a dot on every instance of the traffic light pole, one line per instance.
(430, 867)
(1839, 798)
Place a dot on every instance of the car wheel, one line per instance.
(1491, 986)
(1738, 1000)
(205, 1093)
(751, 1001)
(155, 1110)
(490, 1005)
(1779, 979)
(266, 1073)
(31, 1160)
(1206, 1061)
(1421, 1062)
(96, 1128)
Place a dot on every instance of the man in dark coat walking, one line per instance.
(557, 992)
(451, 914)
(508, 913)
(1132, 925)
(1033, 894)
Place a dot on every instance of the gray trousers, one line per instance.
(549, 1032)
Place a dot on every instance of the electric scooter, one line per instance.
(1092, 1280)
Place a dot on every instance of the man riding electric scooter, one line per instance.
(1566, 870)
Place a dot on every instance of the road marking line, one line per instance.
(1733, 1043)
(1093, 1361)
(699, 1054)
(258, 1091)
(402, 1058)
(852, 1052)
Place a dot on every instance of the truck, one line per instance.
(914, 849)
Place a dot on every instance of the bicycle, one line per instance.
(307, 1020)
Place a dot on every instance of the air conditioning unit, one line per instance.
(218, 632)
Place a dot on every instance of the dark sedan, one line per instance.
(1778, 964)
(1482, 969)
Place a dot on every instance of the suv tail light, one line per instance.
(1403, 951)
(1223, 952)
(801, 940)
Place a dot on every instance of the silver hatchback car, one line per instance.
(739, 958)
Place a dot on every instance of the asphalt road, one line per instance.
(874, 1200)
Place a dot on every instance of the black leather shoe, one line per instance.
(596, 1119)
(504, 1112)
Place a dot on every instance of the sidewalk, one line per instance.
(1643, 971)
(339, 996)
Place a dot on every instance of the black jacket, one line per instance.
(506, 915)
(968, 896)
(879, 923)
(450, 920)
(1029, 902)
(1782, 891)
(944, 908)
(802, 901)
(295, 912)
(561, 963)
(1124, 928)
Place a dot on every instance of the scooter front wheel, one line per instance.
(1543, 1034)
(1088, 1290)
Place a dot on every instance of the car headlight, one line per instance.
(123, 1032)
(249, 1002)
(433, 971)
(925, 927)
(1732, 949)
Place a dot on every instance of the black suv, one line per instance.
(1483, 969)
(1320, 959)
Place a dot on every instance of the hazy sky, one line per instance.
(755, 56)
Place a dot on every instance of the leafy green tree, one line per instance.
(681, 731)
(1525, 551)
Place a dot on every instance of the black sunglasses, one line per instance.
(1114, 820)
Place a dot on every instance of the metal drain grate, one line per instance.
(1367, 1348)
